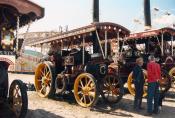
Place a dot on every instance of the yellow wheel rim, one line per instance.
(172, 74)
(85, 91)
(43, 80)
(131, 87)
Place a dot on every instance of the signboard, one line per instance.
(9, 59)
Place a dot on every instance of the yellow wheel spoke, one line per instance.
(86, 80)
(39, 80)
(42, 73)
(91, 88)
(90, 99)
(79, 86)
(45, 70)
(81, 98)
(80, 92)
(43, 87)
(92, 94)
(88, 83)
(81, 83)
(84, 99)
(48, 73)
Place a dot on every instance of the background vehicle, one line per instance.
(13, 15)
(157, 42)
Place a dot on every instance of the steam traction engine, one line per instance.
(153, 42)
(78, 62)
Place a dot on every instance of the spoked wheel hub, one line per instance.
(44, 79)
(112, 90)
(85, 90)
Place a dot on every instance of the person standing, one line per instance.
(154, 75)
(139, 83)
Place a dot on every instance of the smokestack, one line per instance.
(95, 10)
(147, 14)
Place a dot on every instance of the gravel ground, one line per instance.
(66, 107)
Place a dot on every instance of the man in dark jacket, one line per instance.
(139, 83)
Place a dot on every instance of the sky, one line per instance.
(77, 13)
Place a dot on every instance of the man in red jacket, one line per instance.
(154, 74)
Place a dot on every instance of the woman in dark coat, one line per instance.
(139, 83)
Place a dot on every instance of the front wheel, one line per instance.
(18, 98)
(112, 91)
(45, 79)
(85, 90)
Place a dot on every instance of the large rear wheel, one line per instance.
(112, 89)
(131, 86)
(172, 74)
(18, 98)
(164, 82)
(45, 79)
(85, 90)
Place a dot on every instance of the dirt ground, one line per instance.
(66, 107)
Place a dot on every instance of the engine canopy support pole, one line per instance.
(162, 46)
(118, 46)
(99, 42)
(172, 38)
(106, 44)
(83, 59)
(61, 47)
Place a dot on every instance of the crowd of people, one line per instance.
(154, 98)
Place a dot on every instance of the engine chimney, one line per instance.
(147, 14)
(95, 10)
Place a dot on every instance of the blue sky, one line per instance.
(77, 13)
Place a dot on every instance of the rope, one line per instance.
(17, 31)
